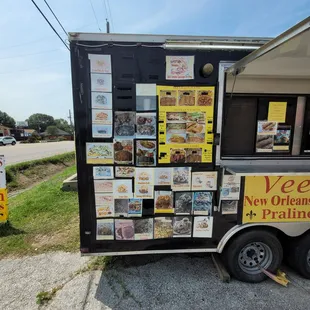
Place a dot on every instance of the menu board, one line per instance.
(185, 120)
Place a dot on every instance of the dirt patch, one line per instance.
(33, 175)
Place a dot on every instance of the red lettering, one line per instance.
(287, 185)
(247, 200)
(268, 187)
(301, 186)
(256, 202)
(265, 213)
(1, 197)
(275, 200)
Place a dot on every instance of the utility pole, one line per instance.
(108, 26)
(70, 118)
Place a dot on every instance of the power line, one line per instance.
(50, 25)
(95, 15)
(56, 18)
(43, 52)
(110, 13)
(105, 8)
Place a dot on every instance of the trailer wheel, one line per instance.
(299, 255)
(242, 252)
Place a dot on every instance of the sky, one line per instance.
(35, 72)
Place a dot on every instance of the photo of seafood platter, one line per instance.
(99, 153)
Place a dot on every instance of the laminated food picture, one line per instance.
(205, 98)
(121, 207)
(163, 227)
(125, 172)
(163, 202)
(264, 143)
(266, 128)
(100, 100)
(203, 227)
(193, 155)
(168, 98)
(146, 152)
(123, 152)
(103, 172)
(177, 156)
(146, 125)
(105, 229)
(124, 229)
(103, 186)
(99, 153)
(202, 203)
(183, 202)
(143, 229)
(186, 98)
(124, 124)
(122, 189)
(135, 207)
(182, 226)
(181, 178)
(102, 116)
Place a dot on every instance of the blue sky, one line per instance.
(41, 82)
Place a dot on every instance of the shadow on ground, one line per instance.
(189, 282)
(7, 229)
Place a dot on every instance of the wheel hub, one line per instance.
(254, 255)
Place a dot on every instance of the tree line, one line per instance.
(39, 122)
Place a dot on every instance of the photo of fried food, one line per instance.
(194, 127)
(168, 98)
(176, 139)
(204, 100)
(187, 99)
(101, 116)
(147, 144)
(264, 142)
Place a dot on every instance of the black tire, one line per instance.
(263, 244)
(2, 144)
(13, 143)
(298, 257)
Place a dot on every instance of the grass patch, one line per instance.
(44, 297)
(20, 175)
(41, 219)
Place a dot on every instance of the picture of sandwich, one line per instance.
(194, 127)
(264, 143)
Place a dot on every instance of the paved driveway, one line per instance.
(24, 152)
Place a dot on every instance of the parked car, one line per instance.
(7, 140)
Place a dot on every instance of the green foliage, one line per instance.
(52, 130)
(34, 138)
(6, 120)
(64, 125)
(40, 122)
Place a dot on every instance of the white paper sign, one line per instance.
(180, 67)
(100, 63)
(101, 82)
(230, 187)
(145, 89)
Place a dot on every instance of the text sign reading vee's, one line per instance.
(276, 199)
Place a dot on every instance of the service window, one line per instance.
(258, 126)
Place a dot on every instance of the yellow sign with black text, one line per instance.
(276, 199)
(3, 205)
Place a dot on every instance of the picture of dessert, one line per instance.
(122, 189)
(163, 176)
(163, 200)
(205, 98)
(143, 189)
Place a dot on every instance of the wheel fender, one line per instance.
(293, 229)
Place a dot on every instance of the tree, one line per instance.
(6, 120)
(64, 125)
(40, 122)
(52, 130)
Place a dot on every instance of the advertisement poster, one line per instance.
(204, 180)
(3, 205)
(100, 100)
(180, 67)
(144, 176)
(123, 152)
(105, 211)
(146, 125)
(182, 226)
(282, 139)
(99, 153)
(135, 207)
(103, 172)
(105, 229)
(104, 199)
(183, 202)
(230, 187)
(163, 202)
(163, 176)
(264, 143)
(124, 125)
(122, 189)
(146, 152)
(100, 63)
(101, 131)
(276, 199)
(121, 207)
(101, 82)
(202, 203)
(103, 186)
(277, 112)
(144, 191)
(102, 116)
(163, 227)
(203, 227)
(145, 97)
(185, 120)
(181, 178)
(125, 172)
(266, 128)
(124, 229)
(229, 206)
(144, 229)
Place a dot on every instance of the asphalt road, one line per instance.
(173, 282)
(25, 152)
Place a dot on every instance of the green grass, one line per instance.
(41, 219)
(35, 169)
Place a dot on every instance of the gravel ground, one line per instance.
(140, 282)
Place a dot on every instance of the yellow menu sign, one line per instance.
(277, 112)
(185, 118)
(3, 205)
(276, 199)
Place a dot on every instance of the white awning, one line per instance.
(286, 56)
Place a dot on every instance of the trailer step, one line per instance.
(70, 184)
(222, 271)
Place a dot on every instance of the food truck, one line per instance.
(195, 144)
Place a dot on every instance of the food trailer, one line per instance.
(195, 144)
